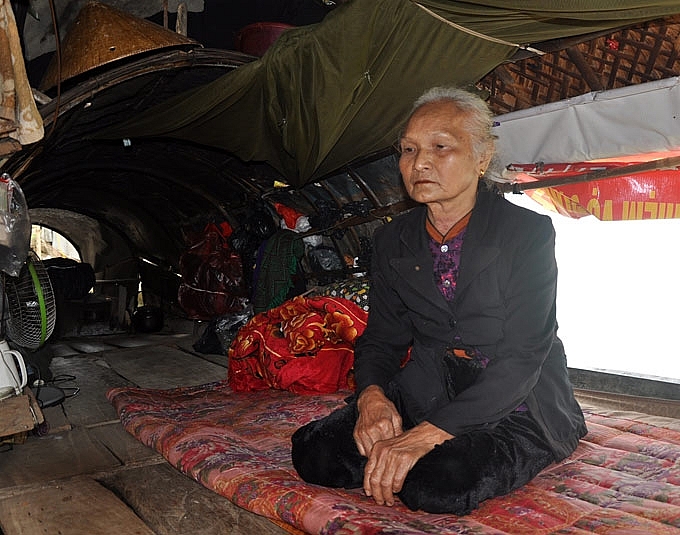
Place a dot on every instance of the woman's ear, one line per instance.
(485, 160)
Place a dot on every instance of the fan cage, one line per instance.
(31, 305)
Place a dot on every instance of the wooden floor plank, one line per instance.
(132, 341)
(55, 456)
(148, 339)
(90, 346)
(92, 376)
(163, 367)
(122, 445)
(63, 349)
(184, 507)
(78, 507)
(56, 420)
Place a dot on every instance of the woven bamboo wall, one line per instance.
(635, 55)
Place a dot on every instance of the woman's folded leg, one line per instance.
(462, 472)
(324, 451)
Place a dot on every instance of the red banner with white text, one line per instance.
(647, 195)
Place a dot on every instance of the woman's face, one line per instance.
(437, 163)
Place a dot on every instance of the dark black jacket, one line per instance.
(504, 305)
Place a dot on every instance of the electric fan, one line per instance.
(27, 304)
(31, 308)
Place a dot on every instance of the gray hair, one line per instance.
(479, 116)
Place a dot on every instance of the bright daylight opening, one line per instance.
(618, 293)
(48, 243)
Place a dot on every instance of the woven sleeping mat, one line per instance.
(623, 479)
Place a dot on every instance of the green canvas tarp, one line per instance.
(329, 93)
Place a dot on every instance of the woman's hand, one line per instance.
(391, 459)
(378, 419)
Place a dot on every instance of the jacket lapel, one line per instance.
(415, 265)
(476, 256)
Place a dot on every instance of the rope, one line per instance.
(477, 34)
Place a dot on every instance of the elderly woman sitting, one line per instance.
(467, 280)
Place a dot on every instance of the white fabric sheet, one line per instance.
(632, 120)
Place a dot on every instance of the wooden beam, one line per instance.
(655, 165)
(590, 76)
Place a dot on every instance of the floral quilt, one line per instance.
(305, 345)
(623, 479)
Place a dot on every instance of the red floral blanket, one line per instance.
(305, 345)
(624, 478)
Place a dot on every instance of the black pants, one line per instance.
(453, 478)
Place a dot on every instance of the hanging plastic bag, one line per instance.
(15, 226)
(212, 277)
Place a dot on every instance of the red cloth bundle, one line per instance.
(305, 345)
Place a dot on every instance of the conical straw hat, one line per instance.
(102, 34)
